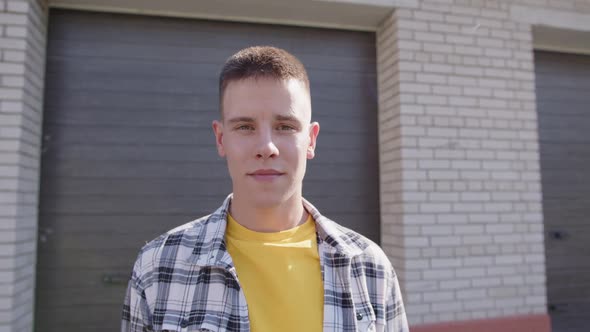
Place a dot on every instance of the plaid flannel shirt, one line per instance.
(185, 280)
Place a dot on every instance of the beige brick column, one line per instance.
(22, 67)
(460, 179)
(390, 163)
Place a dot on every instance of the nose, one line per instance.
(266, 148)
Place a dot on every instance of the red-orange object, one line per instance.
(527, 323)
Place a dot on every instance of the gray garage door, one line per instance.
(128, 150)
(563, 97)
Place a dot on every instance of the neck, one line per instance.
(287, 215)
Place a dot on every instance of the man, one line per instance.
(266, 260)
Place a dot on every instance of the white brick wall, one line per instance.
(392, 236)
(460, 75)
(22, 46)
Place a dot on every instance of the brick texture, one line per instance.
(460, 171)
(389, 145)
(22, 48)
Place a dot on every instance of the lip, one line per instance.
(266, 175)
(266, 172)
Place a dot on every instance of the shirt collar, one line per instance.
(211, 250)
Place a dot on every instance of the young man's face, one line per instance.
(266, 136)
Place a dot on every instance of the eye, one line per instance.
(245, 127)
(286, 128)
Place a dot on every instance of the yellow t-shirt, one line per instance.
(280, 275)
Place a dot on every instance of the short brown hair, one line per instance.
(261, 62)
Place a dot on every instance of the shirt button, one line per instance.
(359, 316)
(184, 323)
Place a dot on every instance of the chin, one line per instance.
(268, 199)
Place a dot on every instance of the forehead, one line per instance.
(260, 97)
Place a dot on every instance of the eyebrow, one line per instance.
(287, 118)
(241, 119)
(277, 117)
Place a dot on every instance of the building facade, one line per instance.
(476, 125)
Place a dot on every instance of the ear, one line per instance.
(314, 131)
(218, 131)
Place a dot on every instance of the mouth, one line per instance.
(266, 175)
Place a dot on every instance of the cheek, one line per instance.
(235, 150)
(298, 149)
(235, 144)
